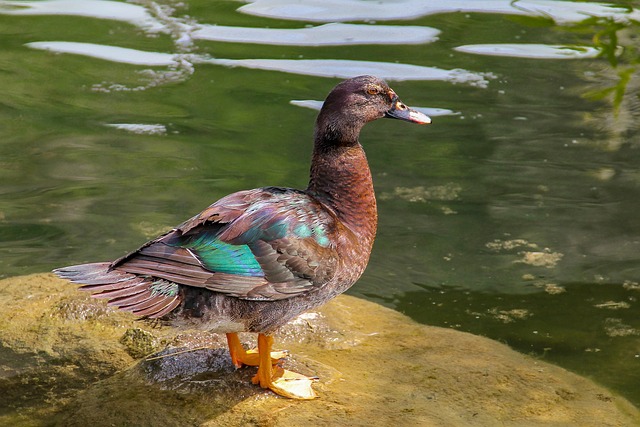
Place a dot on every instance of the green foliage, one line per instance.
(623, 58)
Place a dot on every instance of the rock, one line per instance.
(67, 359)
(139, 343)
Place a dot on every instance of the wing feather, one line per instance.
(263, 244)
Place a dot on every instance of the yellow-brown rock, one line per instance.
(67, 359)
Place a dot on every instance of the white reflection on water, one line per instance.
(342, 68)
(431, 112)
(334, 34)
(323, 35)
(561, 12)
(311, 67)
(109, 53)
(184, 31)
(139, 128)
(133, 14)
(537, 51)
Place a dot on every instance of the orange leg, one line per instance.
(241, 357)
(265, 368)
(236, 350)
(274, 377)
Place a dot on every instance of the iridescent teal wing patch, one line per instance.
(219, 256)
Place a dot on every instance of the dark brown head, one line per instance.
(357, 101)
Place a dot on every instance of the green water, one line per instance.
(516, 218)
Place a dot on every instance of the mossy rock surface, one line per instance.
(67, 359)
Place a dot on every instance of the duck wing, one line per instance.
(265, 244)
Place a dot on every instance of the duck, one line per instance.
(256, 259)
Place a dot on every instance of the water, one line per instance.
(514, 215)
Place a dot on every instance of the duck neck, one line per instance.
(341, 179)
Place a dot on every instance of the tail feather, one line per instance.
(135, 286)
(146, 303)
(159, 309)
(83, 272)
(125, 290)
(171, 304)
(112, 286)
(132, 299)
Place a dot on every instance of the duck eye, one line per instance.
(372, 91)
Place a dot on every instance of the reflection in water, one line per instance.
(535, 51)
(334, 34)
(109, 53)
(562, 12)
(139, 128)
(131, 13)
(355, 10)
(324, 35)
(311, 67)
(343, 68)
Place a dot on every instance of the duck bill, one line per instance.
(402, 112)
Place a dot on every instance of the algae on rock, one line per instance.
(67, 359)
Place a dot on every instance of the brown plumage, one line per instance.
(255, 259)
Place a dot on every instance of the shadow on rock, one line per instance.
(173, 387)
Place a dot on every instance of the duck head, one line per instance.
(357, 101)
